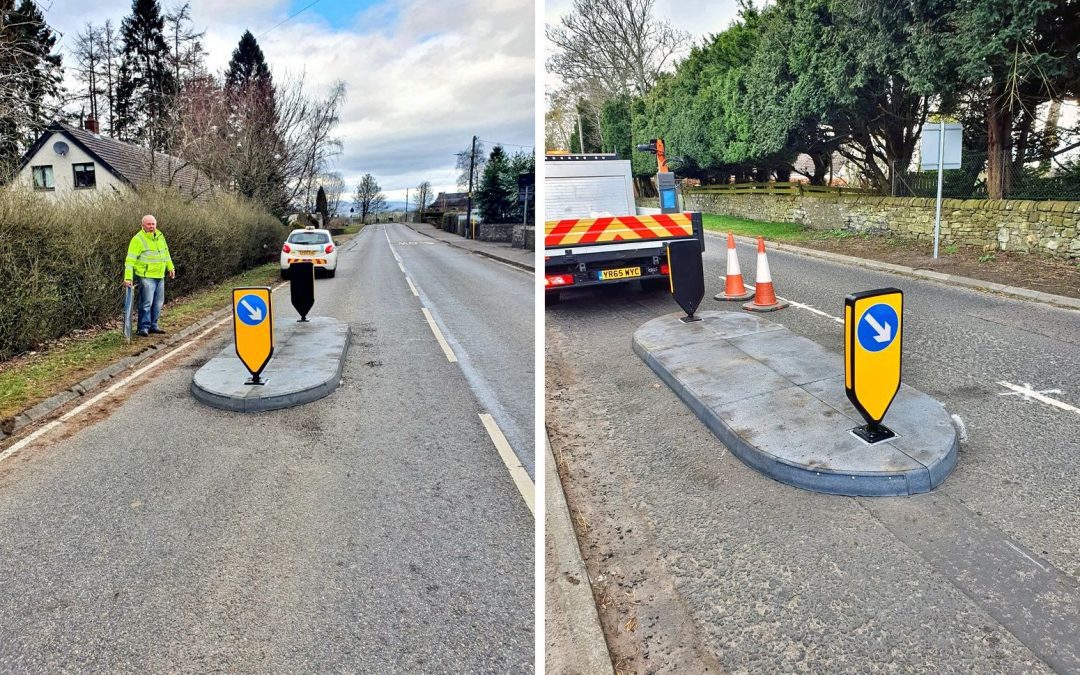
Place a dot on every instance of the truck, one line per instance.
(594, 234)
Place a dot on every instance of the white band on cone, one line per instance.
(763, 275)
(732, 263)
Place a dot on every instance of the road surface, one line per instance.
(375, 530)
(701, 562)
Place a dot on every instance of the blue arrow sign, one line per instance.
(252, 310)
(878, 327)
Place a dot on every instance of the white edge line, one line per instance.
(112, 389)
(439, 336)
(510, 459)
(1039, 397)
(1010, 544)
(411, 287)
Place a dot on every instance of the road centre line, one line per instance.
(1028, 392)
(411, 287)
(806, 307)
(510, 459)
(439, 336)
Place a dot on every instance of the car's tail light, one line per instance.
(558, 280)
(286, 248)
(329, 248)
(663, 269)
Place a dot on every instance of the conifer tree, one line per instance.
(498, 189)
(146, 86)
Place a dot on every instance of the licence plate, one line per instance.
(306, 254)
(621, 273)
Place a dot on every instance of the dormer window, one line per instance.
(84, 176)
(43, 177)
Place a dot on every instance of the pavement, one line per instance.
(777, 401)
(500, 251)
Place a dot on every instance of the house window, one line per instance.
(43, 178)
(84, 175)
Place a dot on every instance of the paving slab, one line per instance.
(777, 401)
(306, 366)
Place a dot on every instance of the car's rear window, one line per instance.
(308, 238)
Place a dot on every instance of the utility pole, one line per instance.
(406, 205)
(580, 135)
(468, 200)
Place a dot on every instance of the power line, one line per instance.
(516, 145)
(290, 18)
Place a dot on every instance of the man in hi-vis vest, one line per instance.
(147, 262)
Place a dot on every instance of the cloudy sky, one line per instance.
(422, 76)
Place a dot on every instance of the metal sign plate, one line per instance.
(253, 327)
(686, 274)
(873, 332)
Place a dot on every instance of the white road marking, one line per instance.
(1037, 563)
(74, 412)
(510, 459)
(411, 287)
(1028, 393)
(439, 336)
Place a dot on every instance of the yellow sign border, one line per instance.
(237, 292)
(850, 337)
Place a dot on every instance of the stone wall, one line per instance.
(524, 237)
(502, 232)
(1050, 227)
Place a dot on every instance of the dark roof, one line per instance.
(450, 200)
(131, 163)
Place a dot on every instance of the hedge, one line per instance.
(62, 264)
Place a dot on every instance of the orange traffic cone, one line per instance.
(734, 289)
(764, 295)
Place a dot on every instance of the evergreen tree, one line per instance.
(321, 207)
(147, 87)
(247, 65)
(497, 195)
(30, 74)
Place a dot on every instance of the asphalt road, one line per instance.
(721, 567)
(375, 530)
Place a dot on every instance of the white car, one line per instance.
(309, 245)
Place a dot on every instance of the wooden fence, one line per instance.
(775, 189)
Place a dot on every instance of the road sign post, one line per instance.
(302, 288)
(253, 329)
(873, 325)
(686, 276)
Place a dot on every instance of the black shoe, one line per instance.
(157, 331)
(143, 333)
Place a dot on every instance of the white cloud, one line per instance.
(422, 76)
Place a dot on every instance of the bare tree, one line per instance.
(334, 186)
(369, 198)
(616, 44)
(88, 65)
(187, 55)
(109, 46)
(421, 198)
(477, 163)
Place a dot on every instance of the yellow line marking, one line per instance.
(517, 471)
(439, 336)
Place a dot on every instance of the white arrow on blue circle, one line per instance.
(256, 314)
(884, 333)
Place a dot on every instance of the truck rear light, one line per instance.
(664, 269)
(558, 280)
(286, 248)
(329, 248)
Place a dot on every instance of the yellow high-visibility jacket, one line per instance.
(147, 256)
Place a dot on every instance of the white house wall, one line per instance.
(64, 177)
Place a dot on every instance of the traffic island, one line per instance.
(306, 366)
(777, 401)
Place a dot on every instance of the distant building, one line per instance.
(66, 160)
(447, 202)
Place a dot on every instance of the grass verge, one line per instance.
(33, 377)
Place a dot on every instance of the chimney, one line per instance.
(91, 124)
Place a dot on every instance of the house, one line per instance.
(66, 160)
(446, 202)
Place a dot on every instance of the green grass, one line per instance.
(756, 228)
(30, 378)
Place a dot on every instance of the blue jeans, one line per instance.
(151, 298)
